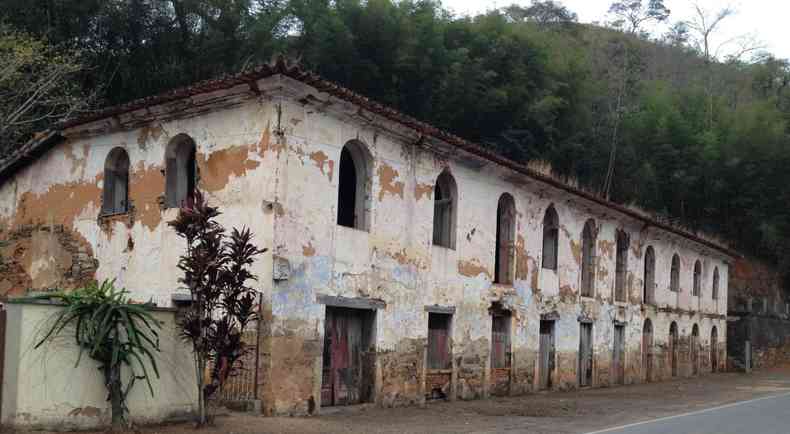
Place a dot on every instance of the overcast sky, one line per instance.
(767, 19)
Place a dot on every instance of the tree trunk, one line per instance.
(115, 387)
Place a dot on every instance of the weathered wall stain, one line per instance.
(72, 199)
(308, 250)
(606, 247)
(389, 185)
(147, 185)
(41, 258)
(216, 171)
(576, 250)
(321, 160)
(472, 268)
(522, 259)
(423, 190)
(149, 132)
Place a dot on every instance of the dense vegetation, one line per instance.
(697, 138)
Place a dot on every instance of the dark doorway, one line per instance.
(673, 348)
(585, 355)
(439, 374)
(714, 351)
(647, 350)
(2, 354)
(500, 351)
(618, 355)
(695, 350)
(349, 356)
(546, 355)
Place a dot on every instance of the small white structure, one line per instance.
(45, 388)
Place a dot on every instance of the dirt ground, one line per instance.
(540, 413)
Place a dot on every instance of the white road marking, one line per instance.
(677, 416)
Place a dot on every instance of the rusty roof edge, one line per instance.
(29, 152)
(280, 65)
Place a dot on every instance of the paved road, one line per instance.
(767, 415)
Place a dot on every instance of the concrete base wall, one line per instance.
(44, 389)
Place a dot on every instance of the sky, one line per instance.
(767, 20)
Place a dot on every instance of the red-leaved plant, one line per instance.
(216, 270)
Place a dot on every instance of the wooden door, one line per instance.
(2, 354)
(673, 348)
(647, 350)
(714, 353)
(500, 353)
(695, 350)
(546, 355)
(346, 376)
(585, 355)
(618, 355)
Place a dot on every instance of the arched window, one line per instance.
(354, 183)
(697, 279)
(180, 171)
(715, 289)
(505, 240)
(621, 266)
(444, 208)
(551, 233)
(588, 259)
(649, 287)
(674, 275)
(115, 197)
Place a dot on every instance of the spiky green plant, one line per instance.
(112, 330)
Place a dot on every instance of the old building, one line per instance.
(758, 327)
(405, 263)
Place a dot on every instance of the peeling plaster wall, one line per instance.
(396, 262)
(276, 171)
(49, 213)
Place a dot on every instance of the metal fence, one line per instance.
(242, 385)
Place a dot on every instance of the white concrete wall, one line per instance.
(46, 387)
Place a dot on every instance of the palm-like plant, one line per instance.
(113, 331)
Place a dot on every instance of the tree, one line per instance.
(631, 15)
(37, 86)
(544, 13)
(216, 271)
(114, 332)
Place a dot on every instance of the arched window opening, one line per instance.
(180, 171)
(115, 197)
(649, 284)
(697, 279)
(588, 259)
(551, 233)
(354, 182)
(444, 210)
(621, 266)
(505, 240)
(715, 289)
(674, 275)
